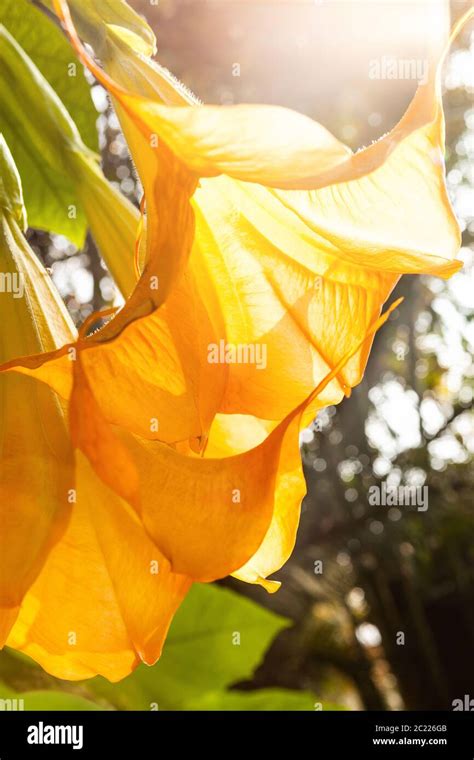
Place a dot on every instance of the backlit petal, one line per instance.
(37, 459)
(105, 597)
(285, 263)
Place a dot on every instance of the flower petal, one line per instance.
(35, 445)
(210, 516)
(258, 143)
(164, 386)
(168, 186)
(231, 433)
(284, 263)
(207, 516)
(84, 616)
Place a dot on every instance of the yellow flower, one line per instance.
(84, 589)
(68, 591)
(262, 230)
(302, 270)
(104, 599)
(35, 448)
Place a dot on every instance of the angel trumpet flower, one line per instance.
(239, 493)
(77, 612)
(297, 274)
(303, 271)
(68, 591)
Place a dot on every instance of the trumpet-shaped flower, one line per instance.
(262, 230)
(85, 589)
(70, 596)
(299, 274)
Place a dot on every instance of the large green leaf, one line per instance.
(43, 41)
(200, 654)
(49, 193)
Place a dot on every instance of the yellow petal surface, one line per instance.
(327, 252)
(37, 459)
(257, 143)
(168, 186)
(209, 517)
(73, 554)
(296, 274)
(105, 597)
(164, 388)
(231, 433)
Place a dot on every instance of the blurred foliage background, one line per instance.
(360, 574)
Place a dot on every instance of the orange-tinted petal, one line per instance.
(257, 143)
(209, 517)
(297, 274)
(105, 597)
(168, 186)
(164, 386)
(231, 433)
(37, 459)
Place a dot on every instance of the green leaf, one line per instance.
(6, 693)
(56, 700)
(262, 699)
(43, 700)
(46, 45)
(93, 21)
(200, 654)
(11, 197)
(36, 122)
